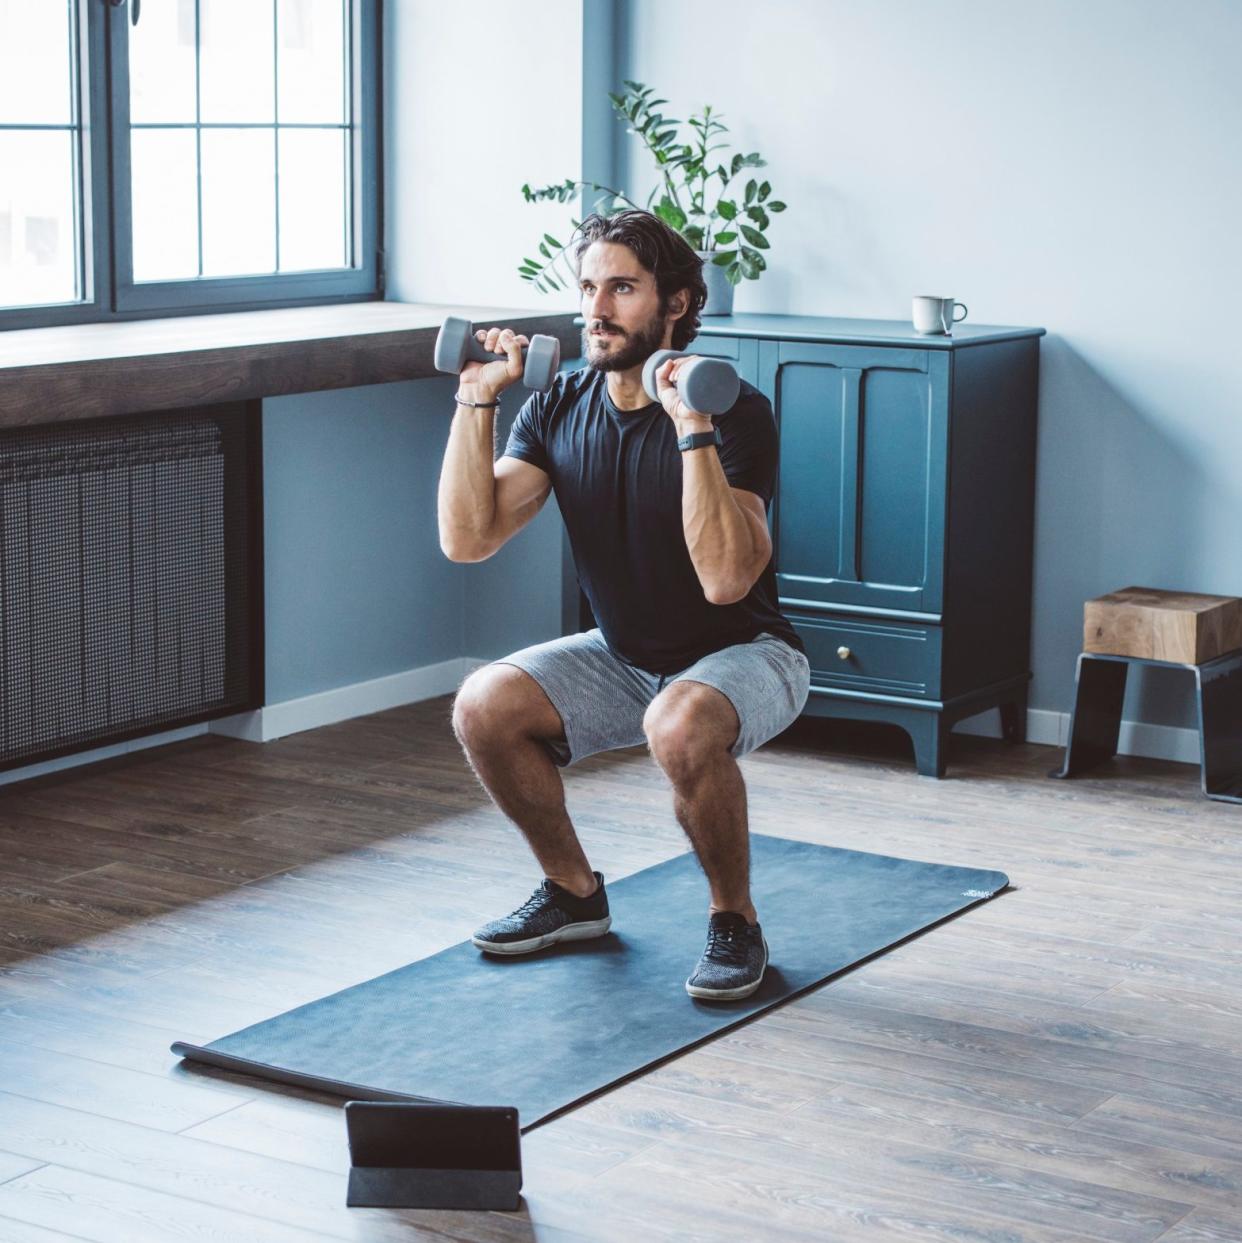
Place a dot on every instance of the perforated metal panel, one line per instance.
(129, 584)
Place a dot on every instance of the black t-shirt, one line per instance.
(617, 477)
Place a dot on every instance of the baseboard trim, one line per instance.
(1153, 742)
(101, 753)
(1157, 742)
(277, 720)
(346, 702)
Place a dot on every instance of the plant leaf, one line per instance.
(726, 209)
(671, 214)
(749, 269)
(734, 273)
(754, 237)
(754, 258)
(776, 205)
(723, 239)
(751, 187)
(724, 257)
(764, 191)
(759, 216)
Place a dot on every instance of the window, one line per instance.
(182, 156)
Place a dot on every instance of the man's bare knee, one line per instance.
(500, 703)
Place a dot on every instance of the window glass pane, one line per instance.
(239, 202)
(312, 199)
(38, 251)
(165, 202)
(238, 73)
(35, 79)
(311, 67)
(161, 64)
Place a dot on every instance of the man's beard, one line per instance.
(636, 346)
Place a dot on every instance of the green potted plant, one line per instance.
(727, 230)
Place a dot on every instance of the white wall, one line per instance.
(1074, 166)
(479, 100)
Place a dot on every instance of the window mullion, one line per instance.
(198, 123)
(276, 120)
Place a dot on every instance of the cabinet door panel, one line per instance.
(859, 510)
(893, 487)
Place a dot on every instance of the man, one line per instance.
(671, 545)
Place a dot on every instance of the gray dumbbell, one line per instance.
(708, 385)
(456, 345)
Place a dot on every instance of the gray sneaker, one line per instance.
(549, 915)
(734, 961)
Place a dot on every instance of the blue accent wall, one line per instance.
(357, 587)
(356, 584)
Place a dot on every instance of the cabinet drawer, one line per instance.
(880, 657)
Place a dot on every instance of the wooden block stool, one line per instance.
(1143, 626)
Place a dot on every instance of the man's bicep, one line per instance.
(521, 490)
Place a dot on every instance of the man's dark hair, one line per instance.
(663, 252)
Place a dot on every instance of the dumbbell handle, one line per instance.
(477, 352)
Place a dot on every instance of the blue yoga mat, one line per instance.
(541, 1032)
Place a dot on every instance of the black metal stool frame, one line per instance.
(1100, 689)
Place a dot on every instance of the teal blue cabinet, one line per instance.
(903, 519)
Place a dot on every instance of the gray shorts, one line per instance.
(602, 700)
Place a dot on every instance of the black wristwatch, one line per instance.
(696, 440)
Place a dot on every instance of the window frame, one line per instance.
(102, 207)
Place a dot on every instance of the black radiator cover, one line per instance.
(130, 577)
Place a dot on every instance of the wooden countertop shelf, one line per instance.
(52, 375)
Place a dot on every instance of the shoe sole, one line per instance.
(729, 994)
(582, 931)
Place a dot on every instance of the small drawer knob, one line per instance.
(843, 652)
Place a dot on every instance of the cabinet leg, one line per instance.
(1219, 686)
(1013, 720)
(929, 736)
(1096, 719)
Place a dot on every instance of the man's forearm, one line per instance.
(720, 534)
(466, 503)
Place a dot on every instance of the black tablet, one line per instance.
(411, 1154)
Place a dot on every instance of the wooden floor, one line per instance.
(1062, 1063)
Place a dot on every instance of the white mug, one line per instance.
(933, 315)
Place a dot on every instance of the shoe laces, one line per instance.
(536, 902)
(726, 943)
